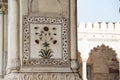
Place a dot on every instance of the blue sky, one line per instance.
(98, 11)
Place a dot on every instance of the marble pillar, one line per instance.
(5, 38)
(13, 62)
(84, 68)
(73, 30)
(1, 40)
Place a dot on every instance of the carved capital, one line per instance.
(13, 65)
(84, 59)
(74, 65)
(3, 8)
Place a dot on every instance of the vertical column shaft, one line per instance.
(12, 35)
(84, 55)
(1, 41)
(84, 70)
(73, 24)
(73, 31)
(5, 38)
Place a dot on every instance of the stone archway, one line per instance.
(104, 63)
(93, 34)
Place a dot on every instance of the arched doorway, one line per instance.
(102, 64)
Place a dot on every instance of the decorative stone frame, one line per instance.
(26, 60)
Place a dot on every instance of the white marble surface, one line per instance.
(13, 32)
(1, 41)
(55, 35)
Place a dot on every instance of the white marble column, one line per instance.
(5, 38)
(84, 68)
(84, 55)
(73, 30)
(13, 61)
(1, 40)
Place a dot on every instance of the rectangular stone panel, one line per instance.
(46, 7)
(45, 41)
(49, 34)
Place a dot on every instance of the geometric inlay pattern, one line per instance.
(45, 41)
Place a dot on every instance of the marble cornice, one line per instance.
(3, 7)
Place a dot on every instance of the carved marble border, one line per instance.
(26, 60)
(43, 76)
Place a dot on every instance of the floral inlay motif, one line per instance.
(45, 39)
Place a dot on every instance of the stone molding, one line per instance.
(84, 59)
(14, 65)
(43, 76)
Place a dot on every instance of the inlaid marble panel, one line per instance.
(45, 41)
(45, 38)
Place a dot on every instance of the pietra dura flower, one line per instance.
(46, 38)
(46, 28)
(37, 41)
(55, 41)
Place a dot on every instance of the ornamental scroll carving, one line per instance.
(45, 41)
(43, 76)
